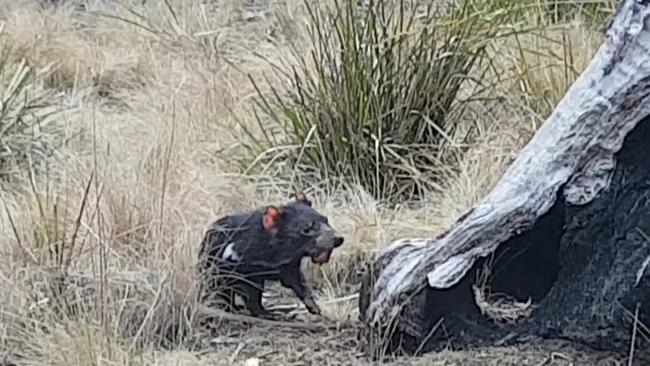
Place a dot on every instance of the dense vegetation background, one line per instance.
(127, 126)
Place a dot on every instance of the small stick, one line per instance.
(634, 328)
(206, 311)
(292, 307)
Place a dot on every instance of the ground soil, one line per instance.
(281, 345)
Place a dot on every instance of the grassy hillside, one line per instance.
(126, 127)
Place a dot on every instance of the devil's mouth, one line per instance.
(322, 257)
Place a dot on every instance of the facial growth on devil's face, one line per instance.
(319, 237)
(304, 231)
(326, 241)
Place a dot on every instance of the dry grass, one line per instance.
(151, 159)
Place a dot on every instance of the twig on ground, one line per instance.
(300, 308)
(205, 311)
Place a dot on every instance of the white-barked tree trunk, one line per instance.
(574, 163)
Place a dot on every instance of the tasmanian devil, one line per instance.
(240, 252)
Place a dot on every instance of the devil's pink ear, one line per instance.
(271, 219)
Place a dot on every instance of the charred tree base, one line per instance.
(585, 268)
(605, 249)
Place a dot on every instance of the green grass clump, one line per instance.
(27, 116)
(375, 100)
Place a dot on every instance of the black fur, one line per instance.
(262, 256)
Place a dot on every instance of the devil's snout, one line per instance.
(331, 236)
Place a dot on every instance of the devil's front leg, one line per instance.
(251, 290)
(216, 287)
(293, 278)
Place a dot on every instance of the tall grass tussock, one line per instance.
(126, 127)
(376, 98)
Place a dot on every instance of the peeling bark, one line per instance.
(571, 161)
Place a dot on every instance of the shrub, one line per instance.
(592, 12)
(544, 62)
(377, 97)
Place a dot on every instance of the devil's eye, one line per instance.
(309, 230)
